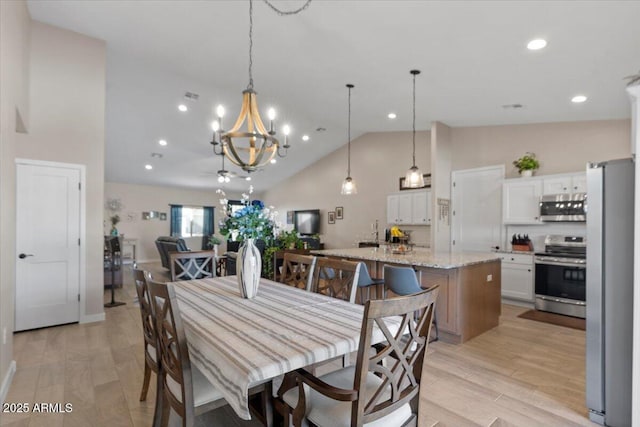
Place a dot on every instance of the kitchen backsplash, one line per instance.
(538, 232)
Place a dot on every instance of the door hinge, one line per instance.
(78, 241)
(454, 184)
(79, 186)
(453, 242)
(78, 297)
(454, 213)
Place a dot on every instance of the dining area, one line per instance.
(300, 351)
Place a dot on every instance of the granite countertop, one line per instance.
(509, 251)
(420, 257)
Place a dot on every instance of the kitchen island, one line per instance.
(469, 296)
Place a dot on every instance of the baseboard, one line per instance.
(517, 303)
(90, 318)
(6, 382)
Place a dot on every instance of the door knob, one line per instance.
(23, 256)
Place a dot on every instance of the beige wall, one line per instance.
(143, 198)
(378, 160)
(14, 100)
(560, 147)
(441, 160)
(67, 106)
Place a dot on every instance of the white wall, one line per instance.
(144, 198)
(14, 101)
(67, 106)
(378, 160)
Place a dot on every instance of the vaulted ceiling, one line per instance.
(472, 54)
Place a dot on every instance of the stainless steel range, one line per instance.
(560, 275)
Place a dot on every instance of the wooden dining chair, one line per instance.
(151, 361)
(297, 270)
(384, 385)
(336, 278)
(184, 389)
(192, 265)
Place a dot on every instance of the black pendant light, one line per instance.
(414, 178)
(349, 185)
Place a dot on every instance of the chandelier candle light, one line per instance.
(349, 185)
(253, 147)
(414, 178)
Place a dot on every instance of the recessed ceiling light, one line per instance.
(305, 137)
(536, 44)
(163, 142)
(578, 99)
(182, 108)
(273, 161)
(148, 167)
(248, 178)
(392, 115)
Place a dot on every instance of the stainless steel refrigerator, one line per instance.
(610, 218)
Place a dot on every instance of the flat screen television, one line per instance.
(307, 222)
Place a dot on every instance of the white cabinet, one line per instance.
(409, 208)
(421, 208)
(521, 201)
(399, 209)
(517, 276)
(567, 184)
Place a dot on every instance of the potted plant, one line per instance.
(527, 164)
(115, 219)
(214, 242)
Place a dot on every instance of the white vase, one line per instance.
(526, 173)
(248, 268)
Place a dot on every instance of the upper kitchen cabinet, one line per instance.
(421, 208)
(567, 184)
(409, 208)
(521, 201)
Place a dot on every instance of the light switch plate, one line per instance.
(489, 277)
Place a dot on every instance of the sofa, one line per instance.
(166, 244)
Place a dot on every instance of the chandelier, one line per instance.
(252, 146)
(414, 178)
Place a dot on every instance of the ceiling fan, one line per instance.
(225, 175)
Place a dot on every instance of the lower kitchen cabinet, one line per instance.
(517, 276)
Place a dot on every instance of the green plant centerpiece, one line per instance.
(528, 162)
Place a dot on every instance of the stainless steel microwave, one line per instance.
(563, 207)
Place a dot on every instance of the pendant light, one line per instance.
(349, 185)
(414, 178)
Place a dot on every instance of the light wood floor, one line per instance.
(522, 373)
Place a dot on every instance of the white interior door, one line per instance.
(476, 221)
(47, 246)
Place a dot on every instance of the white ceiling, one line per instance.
(472, 55)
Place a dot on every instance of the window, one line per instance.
(192, 221)
(191, 224)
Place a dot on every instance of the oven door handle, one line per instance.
(562, 300)
(581, 263)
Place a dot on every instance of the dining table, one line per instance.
(238, 343)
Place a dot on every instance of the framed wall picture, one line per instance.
(427, 182)
(331, 217)
(339, 212)
(289, 217)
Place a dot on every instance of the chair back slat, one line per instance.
(336, 278)
(297, 270)
(174, 354)
(398, 362)
(192, 265)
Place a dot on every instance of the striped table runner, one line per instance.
(238, 343)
